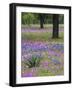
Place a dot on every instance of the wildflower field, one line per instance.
(41, 54)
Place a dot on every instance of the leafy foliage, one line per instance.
(34, 61)
(34, 18)
(27, 18)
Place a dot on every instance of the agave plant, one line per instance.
(34, 61)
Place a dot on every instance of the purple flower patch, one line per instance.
(27, 75)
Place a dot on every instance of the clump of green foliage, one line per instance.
(33, 62)
(27, 18)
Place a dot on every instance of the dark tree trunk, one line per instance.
(55, 25)
(41, 20)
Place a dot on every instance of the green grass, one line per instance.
(42, 36)
(38, 26)
(43, 72)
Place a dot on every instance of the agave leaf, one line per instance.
(33, 62)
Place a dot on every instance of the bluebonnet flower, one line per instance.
(27, 75)
(55, 61)
(28, 47)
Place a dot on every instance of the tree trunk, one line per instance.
(55, 25)
(41, 21)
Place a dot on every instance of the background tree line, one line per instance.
(38, 18)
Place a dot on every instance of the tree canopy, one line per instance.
(34, 18)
